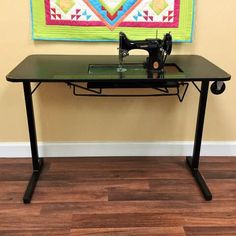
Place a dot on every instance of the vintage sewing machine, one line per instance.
(158, 50)
(166, 79)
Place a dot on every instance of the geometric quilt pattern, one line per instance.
(113, 13)
(102, 20)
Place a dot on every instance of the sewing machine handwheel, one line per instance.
(218, 87)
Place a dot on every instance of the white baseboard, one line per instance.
(88, 149)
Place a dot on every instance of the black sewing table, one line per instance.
(92, 74)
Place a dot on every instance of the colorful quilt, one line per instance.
(102, 20)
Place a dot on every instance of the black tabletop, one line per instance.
(86, 68)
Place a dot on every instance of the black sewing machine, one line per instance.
(158, 50)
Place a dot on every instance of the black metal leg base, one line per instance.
(32, 183)
(199, 179)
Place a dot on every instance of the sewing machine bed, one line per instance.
(133, 69)
(129, 68)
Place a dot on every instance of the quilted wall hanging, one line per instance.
(102, 20)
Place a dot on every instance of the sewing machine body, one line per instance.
(157, 49)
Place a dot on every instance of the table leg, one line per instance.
(193, 162)
(36, 162)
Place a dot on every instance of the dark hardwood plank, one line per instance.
(218, 166)
(118, 196)
(114, 164)
(120, 207)
(90, 190)
(140, 231)
(11, 170)
(214, 174)
(32, 222)
(161, 189)
(20, 209)
(36, 232)
(115, 174)
(210, 231)
(150, 195)
(94, 185)
(152, 220)
(125, 220)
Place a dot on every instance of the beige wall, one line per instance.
(62, 117)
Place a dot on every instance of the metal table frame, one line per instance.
(192, 161)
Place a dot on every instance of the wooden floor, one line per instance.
(118, 196)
